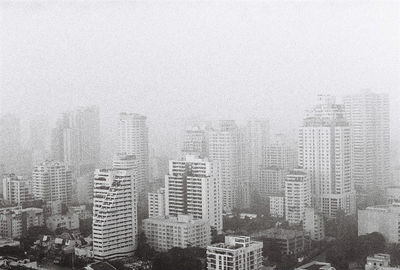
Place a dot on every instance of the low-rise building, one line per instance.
(384, 219)
(238, 252)
(378, 261)
(69, 221)
(289, 241)
(164, 233)
(277, 205)
(32, 217)
(314, 224)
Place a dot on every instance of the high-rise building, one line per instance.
(76, 140)
(280, 154)
(133, 140)
(297, 196)
(157, 203)
(271, 180)
(193, 186)
(195, 142)
(368, 116)
(182, 231)
(325, 153)
(223, 147)
(15, 189)
(238, 252)
(115, 209)
(256, 140)
(52, 181)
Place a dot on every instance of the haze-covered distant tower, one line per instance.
(257, 136)
(10, 142)
(195, 142)
(76, 140)
(368, 115)
(223, 147)
(325, 153)
(133, 140)
(115, 225)
(193, 187)
(52, 181)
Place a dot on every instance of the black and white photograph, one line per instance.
(200, 134)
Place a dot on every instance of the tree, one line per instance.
(144, 251)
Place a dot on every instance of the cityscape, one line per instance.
(191, 179)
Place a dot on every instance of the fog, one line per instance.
(214, 60)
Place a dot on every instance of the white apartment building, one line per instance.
(277, 205)
(164, 233)
(10, 222)
(313, 224)
(193, 186)
(133, 140)
(223, 147)
(115, 209)
(325, 153)
(156, 203)
(297, 196)
(15, 189)
(52, 181)
(384, 219)
(237, 253)
(368, 116)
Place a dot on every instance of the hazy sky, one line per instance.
(218, 59)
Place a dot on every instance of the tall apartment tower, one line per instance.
(193, 187)
(52, 181)
(297, 196)
(368, 115)
(324, 147)
(257, 136)
(133, 140)
(15, 189)
(223, 147)
(115, 209)
(195, 142)
(76, 140)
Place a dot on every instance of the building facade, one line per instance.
(237, 253)
(223, 147)
(164, 233)
(133, 140)
(277, 205)
(156, 202)
(193, 186)
(368, 116)
(314, 224)
(115, 209)
(15, 189)
(52, 181)
(324, 146)
(297, 196)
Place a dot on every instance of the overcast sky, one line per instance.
(217, 59)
